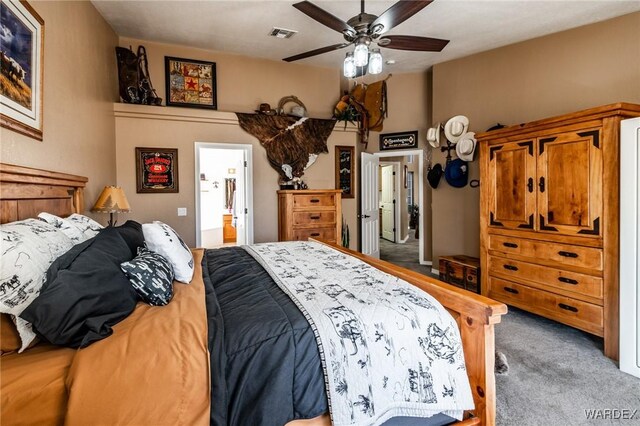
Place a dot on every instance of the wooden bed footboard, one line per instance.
(475, 315)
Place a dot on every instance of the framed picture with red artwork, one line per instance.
(156, 170)
(190, 83)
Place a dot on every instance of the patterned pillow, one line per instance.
(162, 239)
(87, 225)
(151, 275)
(69, 228)
(28, 248)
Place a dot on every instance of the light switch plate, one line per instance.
(182, 211)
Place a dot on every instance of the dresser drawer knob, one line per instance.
(314, 200)
(568, 254)
(567, 307)
(567, 280)
(510, 245)
(511, 290)
(315, 234)
(510, 267)
(314, 217)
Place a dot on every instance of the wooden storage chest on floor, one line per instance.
(461, 271)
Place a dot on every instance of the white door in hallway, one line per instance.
(370, 240)
(387, 202)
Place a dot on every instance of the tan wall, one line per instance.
(560, 73)
(243, 83)
(409, 100)
(145, 126)
(80, 87)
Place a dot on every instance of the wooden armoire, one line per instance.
(549, 209)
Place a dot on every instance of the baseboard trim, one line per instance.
(403, 241)
(426, 262)
(435, 271)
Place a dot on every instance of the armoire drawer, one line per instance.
(314, 200)
(314, 218)
(564, 254)
(583, 315)
(324, 234)
(539, 275)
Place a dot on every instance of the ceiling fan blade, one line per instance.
(316, 52)
(397, 14)
(420, 44)
(324, 17)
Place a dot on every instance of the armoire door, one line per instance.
(570, 183)
(512, 192)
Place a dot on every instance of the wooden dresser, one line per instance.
(549, 218)
(310, 213)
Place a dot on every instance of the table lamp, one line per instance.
(112, 200)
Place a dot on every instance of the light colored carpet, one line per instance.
(556, 373)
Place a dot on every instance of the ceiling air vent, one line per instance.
(281, 32)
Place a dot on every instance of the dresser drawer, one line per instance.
(314, 200)
(539, 275)
(564, 254)
(324, 234)
(314, 218)
(583, 315)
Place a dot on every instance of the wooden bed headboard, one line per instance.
(25, 192)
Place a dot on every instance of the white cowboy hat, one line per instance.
(456, 127)
(466, 146)
(433, 136)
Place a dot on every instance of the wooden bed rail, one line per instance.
(476, 315)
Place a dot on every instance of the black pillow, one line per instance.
(151, 275)
(85, 293)
(131, 231)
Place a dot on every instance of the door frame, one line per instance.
(420, 154)
(248, 170)
(397, 190)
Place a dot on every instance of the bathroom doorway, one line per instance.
(223, 194)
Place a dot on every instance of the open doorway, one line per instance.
(396, 189)
(223, 194)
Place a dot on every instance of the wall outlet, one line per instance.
(182, 211)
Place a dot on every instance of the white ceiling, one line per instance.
(241, 26)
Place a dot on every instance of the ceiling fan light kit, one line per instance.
(349, 69)
(365, 29)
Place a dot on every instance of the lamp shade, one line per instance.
(111, 200)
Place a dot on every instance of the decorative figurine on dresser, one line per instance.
(310, 213)
(549, 218)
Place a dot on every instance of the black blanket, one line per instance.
(265, 365)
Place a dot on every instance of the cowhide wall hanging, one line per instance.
(292, 143)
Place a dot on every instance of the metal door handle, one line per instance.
(567, 280)
(530, 184)
(364, 216)
(510, 245)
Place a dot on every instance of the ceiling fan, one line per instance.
(365, 29)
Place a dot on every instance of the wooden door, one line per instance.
(570, 183)
(512, 196)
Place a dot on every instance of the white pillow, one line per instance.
(162, 239)
(68, 228)
(88, 226)
(28, 248)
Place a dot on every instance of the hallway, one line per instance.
(405, 255)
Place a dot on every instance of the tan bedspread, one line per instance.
(153, 370)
